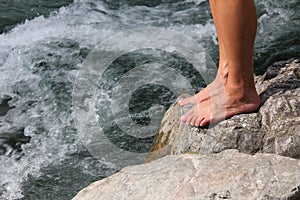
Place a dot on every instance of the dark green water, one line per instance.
(42, 47)
(14, 12)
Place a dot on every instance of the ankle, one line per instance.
(242, 92)
(241, 80)
(223, 70)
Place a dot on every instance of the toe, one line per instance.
(193, 120)
(198, 120)
(190, 118)
(205, 122)
(187, 115)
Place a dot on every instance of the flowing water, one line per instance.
(42, 47)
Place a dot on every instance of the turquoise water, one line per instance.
(42, 47)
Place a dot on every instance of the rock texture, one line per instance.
(235, 159)
(275, 128)
(227, 175)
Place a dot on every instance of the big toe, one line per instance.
(205, 122)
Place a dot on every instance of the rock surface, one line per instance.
(275, 128)
(227, 175)
(196, 163)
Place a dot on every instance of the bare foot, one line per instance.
(213, 89)
(223, 104)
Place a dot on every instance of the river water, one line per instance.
(43, 44)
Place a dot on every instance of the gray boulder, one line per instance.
(226, 175)
(275, 128)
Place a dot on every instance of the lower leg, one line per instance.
(236, 24)
(213, 88)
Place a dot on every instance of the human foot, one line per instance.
(213, 89)
(225, 104)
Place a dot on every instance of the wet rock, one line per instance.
(4, 106)
(226, 175)
(275, 128)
